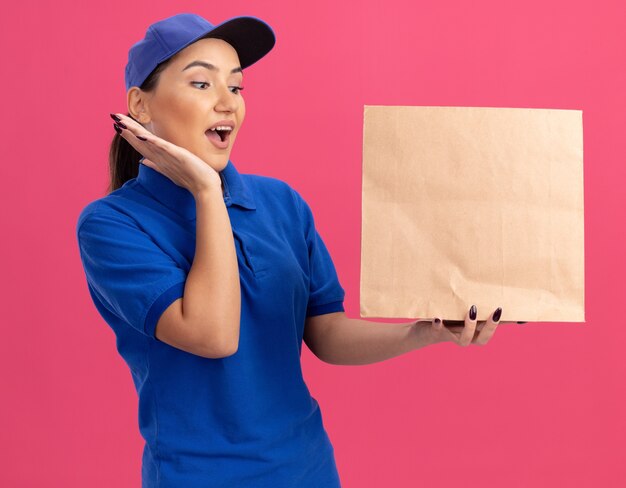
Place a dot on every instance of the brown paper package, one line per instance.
(472, 205)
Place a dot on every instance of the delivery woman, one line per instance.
(208, 276)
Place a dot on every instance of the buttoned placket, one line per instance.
(248, 256)
(240, 237)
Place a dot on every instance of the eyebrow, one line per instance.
(210, 66)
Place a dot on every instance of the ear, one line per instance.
(137, 105)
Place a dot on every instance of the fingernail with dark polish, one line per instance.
(473, 312)
(141, 138)
(522, 322)
(117, 129)
(497, 315)
(437, 320)
(122, 125)
(115, 117)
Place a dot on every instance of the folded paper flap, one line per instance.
(465, 205)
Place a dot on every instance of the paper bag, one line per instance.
(472, 205)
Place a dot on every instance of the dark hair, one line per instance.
(123, 158)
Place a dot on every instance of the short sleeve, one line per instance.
(126, 270)
(326, 294)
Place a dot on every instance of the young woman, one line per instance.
(211, 278)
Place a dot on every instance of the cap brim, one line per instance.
(250, 36)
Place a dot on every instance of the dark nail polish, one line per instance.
(522, 322)
(141, 138)
(497, 315)
(117, 129)
(115, 117)
(437, 320)
(473, 312)
(122, 125)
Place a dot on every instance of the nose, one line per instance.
(227, 100)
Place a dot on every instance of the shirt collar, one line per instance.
(181, 201)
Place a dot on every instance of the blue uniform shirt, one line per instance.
(246, 420)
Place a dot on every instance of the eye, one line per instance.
(236, 88)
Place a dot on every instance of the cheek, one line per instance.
(176, 114)
(242, 107)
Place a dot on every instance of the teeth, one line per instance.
(222, 127)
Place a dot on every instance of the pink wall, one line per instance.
(541, 405)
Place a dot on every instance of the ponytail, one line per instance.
(124, 158)
(123, 162)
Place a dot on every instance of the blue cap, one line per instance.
(251, 37)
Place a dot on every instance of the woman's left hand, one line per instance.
(464, 333)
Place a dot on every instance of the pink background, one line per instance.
(541, 405)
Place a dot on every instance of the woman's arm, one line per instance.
(206, 320)
(337, 339)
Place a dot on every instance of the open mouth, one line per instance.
(220, 135)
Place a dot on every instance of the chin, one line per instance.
(218, 160)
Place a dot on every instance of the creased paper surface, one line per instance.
(472, 205)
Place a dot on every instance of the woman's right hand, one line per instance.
(177, 163)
